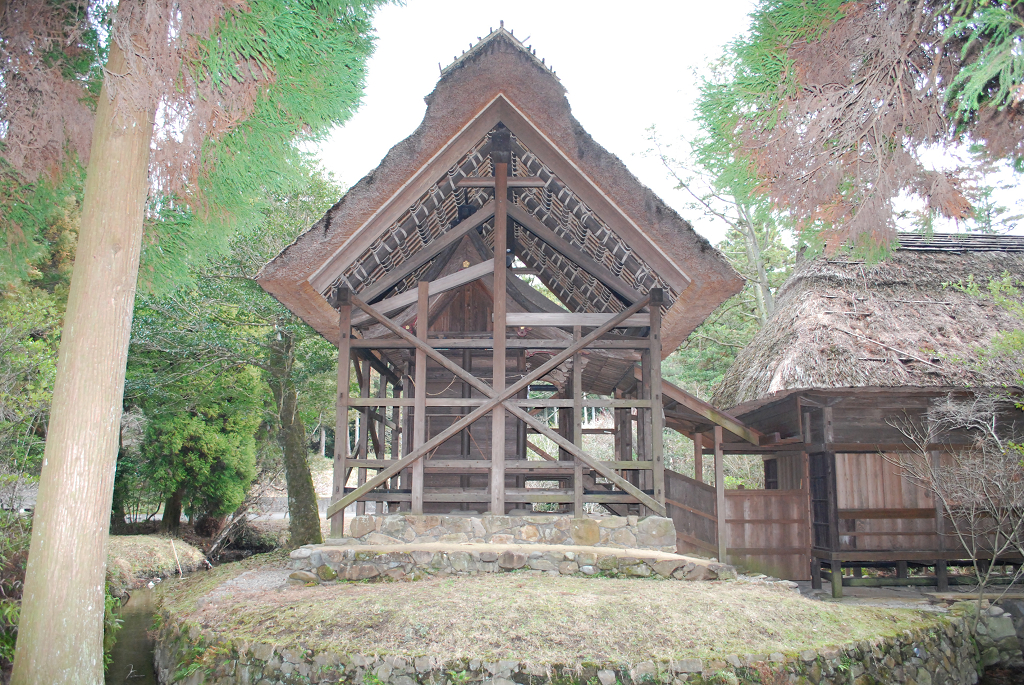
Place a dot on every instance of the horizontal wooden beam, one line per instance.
(426, 253)
(887, 514)
(539, 344)
(567, 249)
(480, 401)
(530, 319)
(443, 284)
(513, 182)
(705, 410)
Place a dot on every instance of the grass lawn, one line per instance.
(565, 620)
(131, 558)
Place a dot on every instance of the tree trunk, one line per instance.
(171, 520)
(755, 261)
(60, 636)
(303, 512)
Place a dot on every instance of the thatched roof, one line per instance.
(846, 324)
(589, 200)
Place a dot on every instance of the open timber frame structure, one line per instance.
(500, 263)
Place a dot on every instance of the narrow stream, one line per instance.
(133, 652)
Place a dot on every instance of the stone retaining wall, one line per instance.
(322, 564)
(654, 532)
(938, 654)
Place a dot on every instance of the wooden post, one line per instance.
(815, 573)
(344, 304)
(837, 579)
(941, 575)
(500, 300)
(419, 430)
(657, 406)
(405, 480)
(698, 457)
(643, 424)
(720, 497)
(465, 447)
(577, 425)
(363, 435)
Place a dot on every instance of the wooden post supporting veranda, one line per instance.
(941, 575)
(363, 434)
(419, 417)
(698, 457)
(501, 156)
(577, 425)
(344, 303)
(723, 542)
(657, 412)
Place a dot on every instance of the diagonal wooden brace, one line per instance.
(495, 400)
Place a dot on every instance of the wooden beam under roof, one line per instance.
(437, 287)
(513, 182)
(535, 226)
(428, 252)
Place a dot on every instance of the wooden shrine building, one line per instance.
(854, 356)
(495, 276)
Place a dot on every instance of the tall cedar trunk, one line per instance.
(171, 520)
(60, 636)
(303, 512)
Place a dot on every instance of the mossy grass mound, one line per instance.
(135, 558)
(520, 616)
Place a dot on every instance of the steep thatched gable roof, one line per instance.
(845, 324)
(590, 201)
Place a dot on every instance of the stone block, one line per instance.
(611, 521)
(326, 572)
(477, 528)
(585, 532)
(699, 573)
(304, 577)
(568, 567)
(666, 567)
(454, 537)
(542, 565)
(379, 539)
(456, 524)
(586, 559)
(502, 539)
(512, 560)
(488, 556)
(656, 531)
(494, 524)
(1000, 627)
(606, 677)
(461, 561)
(394, 525)
(422, 524)
(588, 570)
(608, 562)
(623, 537)
(529, 533)
(300, 553)
(421, 557)
(361, 525)
(361, 572)
(555, 536)
(640, 570)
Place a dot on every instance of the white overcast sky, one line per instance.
(626, 65)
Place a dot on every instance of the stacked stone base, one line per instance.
(629, 532)
(327, 563)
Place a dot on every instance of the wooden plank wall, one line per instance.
(768, 533)
(880, 508)
(691, 506)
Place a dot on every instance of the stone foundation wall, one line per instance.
(631, 532)
(325, 564)
(940, 653)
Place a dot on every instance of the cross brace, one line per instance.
(496, 399)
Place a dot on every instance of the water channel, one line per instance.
(133, 652)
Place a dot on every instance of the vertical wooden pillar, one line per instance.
(657, 405)
(723, 543)
(465, 447)
(837, 579)
(501, 158)
(419, 430)
(577, 425)
(698, 457)
(941, 576)
(405, 480)
(363, 435)
(344, 304)
(643, 425)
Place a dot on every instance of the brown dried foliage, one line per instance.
(870, 97)
(47, 115)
